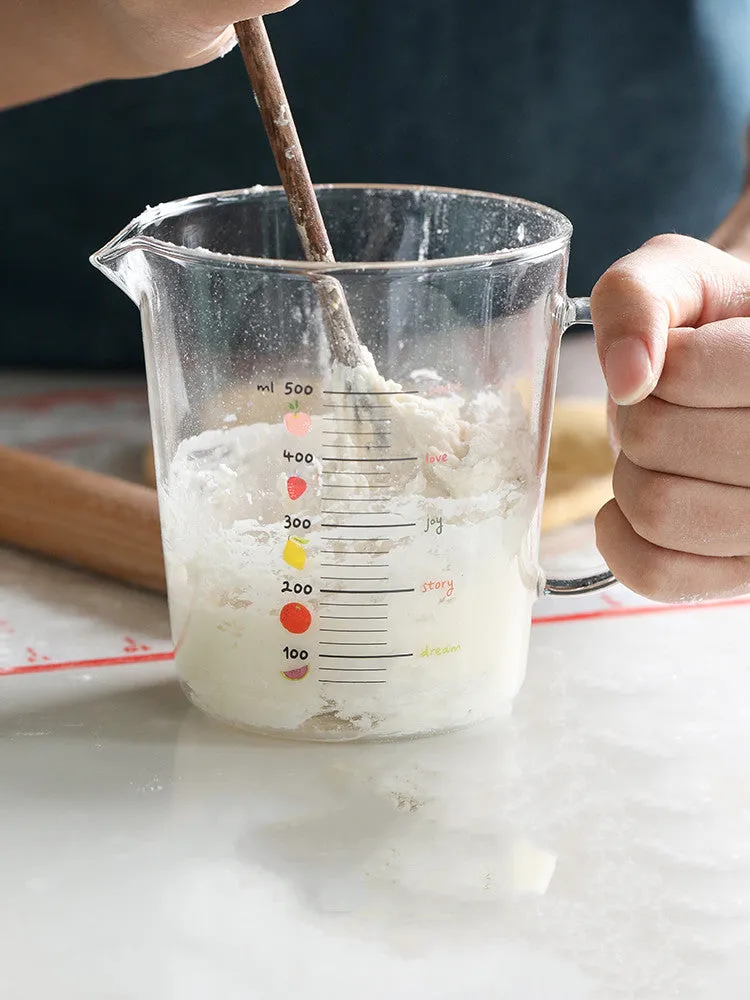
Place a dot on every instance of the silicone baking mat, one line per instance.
(53, 617)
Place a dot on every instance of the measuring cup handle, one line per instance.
(579, 312)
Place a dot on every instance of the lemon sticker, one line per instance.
(294, 552)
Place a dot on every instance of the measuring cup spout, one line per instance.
(128, 259)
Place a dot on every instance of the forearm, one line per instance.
(49, 46)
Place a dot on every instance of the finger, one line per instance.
(672, 281)
(209, 14)
(686, 515)
(179, 34)
(229, 11)
(660, 574)
(708, 366)
(709, 444)
(612, 429)
(224, 39)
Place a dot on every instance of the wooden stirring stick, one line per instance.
(292, 166)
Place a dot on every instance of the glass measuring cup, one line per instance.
(351, 553)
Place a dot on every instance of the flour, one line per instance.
(415, 624)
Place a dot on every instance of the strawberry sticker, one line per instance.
(295, 487)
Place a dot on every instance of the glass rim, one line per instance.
(132, 237)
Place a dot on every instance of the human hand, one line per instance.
(49, 46)
(673, 334)
(155, 36)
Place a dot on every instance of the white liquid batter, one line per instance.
(416, 629)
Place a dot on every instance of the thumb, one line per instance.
(671, 281)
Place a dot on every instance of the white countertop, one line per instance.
(596, 844)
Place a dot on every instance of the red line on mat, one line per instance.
(646, 609)
(621, 612)
(109, 661)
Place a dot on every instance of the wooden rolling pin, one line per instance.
(93, 521)
(112, 527)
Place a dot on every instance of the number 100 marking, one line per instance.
(295, 654)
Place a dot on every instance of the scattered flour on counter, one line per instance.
(451, 633)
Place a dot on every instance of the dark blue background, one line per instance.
(627, 116)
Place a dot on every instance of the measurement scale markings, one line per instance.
(334, 458)
(327, 538)
(354, 500)
(354, 392)
(358, 552)
(354, 566)
(365, 656)
(368, 565)
(332, 680)
(356, 631)
(354, 486)
(381, 526)
(355, 670)
(329, 643)
(352, 618)
(356, 579)
(336, 604)
(353, 513)
(406, 590)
